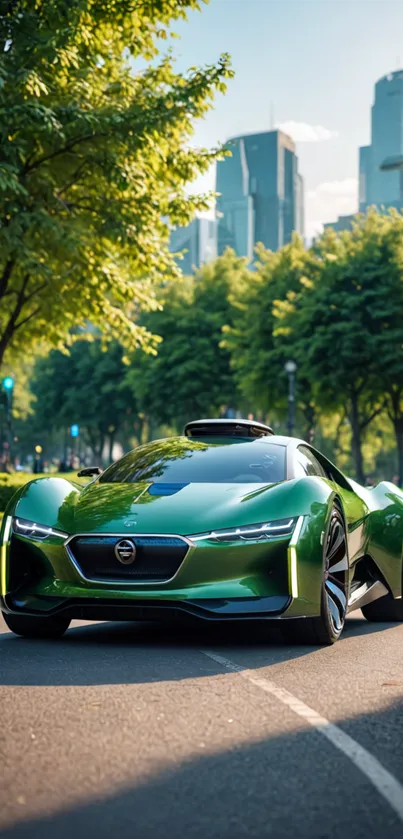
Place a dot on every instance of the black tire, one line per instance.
(328, 626)
(32, 627)
(385, 609)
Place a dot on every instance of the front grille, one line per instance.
(157, 558)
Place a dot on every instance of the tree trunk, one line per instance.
(396, 416)
(309, 417)
(398, 427)
(111, 444)
(92, 443)
(356, 440)
(98, 451)
(139, 426)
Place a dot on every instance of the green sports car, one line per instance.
(229, 522)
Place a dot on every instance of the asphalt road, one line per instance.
(132, 730)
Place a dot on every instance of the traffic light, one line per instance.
(8, 391)
(6, 398)
(8, 383)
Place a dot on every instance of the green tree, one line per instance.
(191, 375)
(94, 160)
(87, 387)
(379, 243)
(335, 324)
(259, 347)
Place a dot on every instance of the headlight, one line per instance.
(253, 532)
(32, 530)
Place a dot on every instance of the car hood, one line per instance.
(170, 509)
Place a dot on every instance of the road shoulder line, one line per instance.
(383, 781)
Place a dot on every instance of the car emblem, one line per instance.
(130, 523)
(125, 551)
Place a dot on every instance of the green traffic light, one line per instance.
(8, 383)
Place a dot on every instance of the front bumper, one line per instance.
(214, 582)
(106, 609)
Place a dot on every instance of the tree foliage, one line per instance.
(94, 161)
(258, 348)
(336, 309)
(191, 375)
(88, 387)
(345, 324)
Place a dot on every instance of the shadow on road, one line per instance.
(119, 653)
(292, 785)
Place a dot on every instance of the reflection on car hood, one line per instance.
(167, 508)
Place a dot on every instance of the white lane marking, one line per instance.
(387, 786)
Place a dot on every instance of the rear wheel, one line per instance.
(328, 626)
(384, 609)
(33, 627)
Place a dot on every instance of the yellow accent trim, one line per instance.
(3, 555)
(292, 557)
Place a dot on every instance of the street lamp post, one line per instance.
(37, 460)
(290, 367)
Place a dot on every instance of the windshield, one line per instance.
(189, 461)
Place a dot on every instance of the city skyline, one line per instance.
(260, 192)
(307, 67)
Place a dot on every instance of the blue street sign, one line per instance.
(74, 431)
(8, 383)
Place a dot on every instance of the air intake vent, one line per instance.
(227, 428)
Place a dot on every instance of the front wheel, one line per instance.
(328, 626)
(33, 627)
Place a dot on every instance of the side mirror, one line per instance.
(89, 471)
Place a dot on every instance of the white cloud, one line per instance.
(302, 132)
(328, 201)
(344, 189)
(204, 183)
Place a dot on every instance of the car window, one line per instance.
(307, 464)
(187, 461)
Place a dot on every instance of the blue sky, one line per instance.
(317, 61)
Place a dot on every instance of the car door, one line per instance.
(355, 510)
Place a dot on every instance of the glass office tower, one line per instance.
(378, 187)
(199, 241)
(365, 178)
(261, 193)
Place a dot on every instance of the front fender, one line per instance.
(306, 554)
(48, 501)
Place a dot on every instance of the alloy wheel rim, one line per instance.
(336, 573)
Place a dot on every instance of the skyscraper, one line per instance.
(198, 240)
(261, 193)
(365, 178)
(376, 186)
(300, 206)
(342, 223)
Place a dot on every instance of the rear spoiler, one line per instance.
(227, 428)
